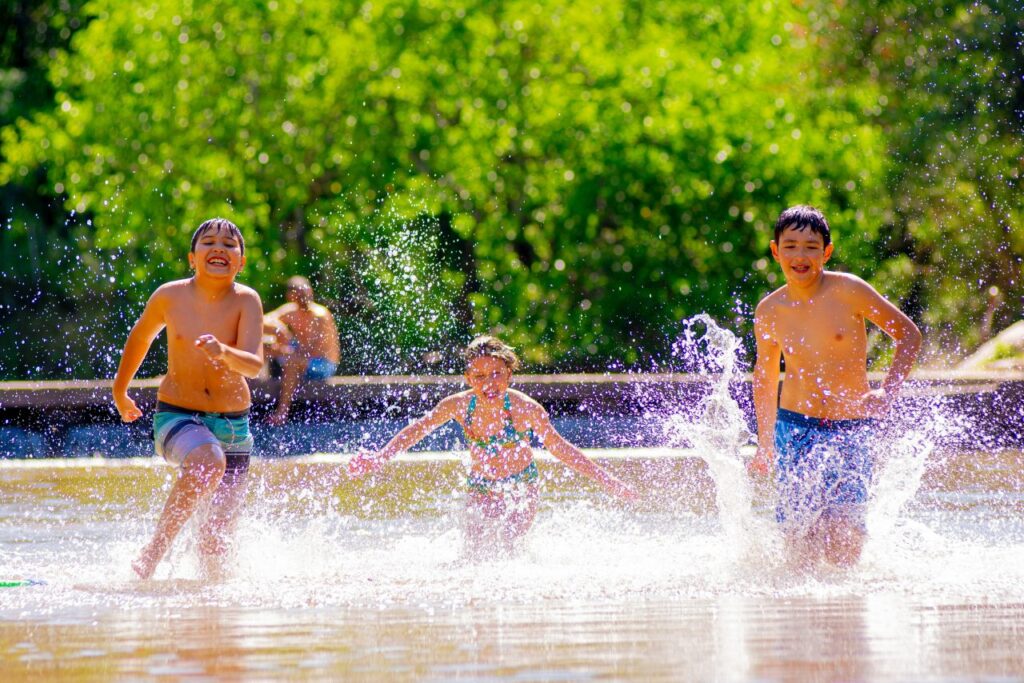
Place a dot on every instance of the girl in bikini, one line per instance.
(499, 424)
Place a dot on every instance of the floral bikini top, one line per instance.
(508, 436)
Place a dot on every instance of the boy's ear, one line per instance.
(828, 251)
(775, 250)
(192, 260)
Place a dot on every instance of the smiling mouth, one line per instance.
(217, 261)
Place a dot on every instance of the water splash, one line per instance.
(719, 433)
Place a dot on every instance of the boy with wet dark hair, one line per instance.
(201, 425)
(801, 218)
(817, 432)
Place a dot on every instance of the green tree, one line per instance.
(951, 78)
(576, 177)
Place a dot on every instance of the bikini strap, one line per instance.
(470, 409)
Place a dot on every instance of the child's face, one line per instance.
(218, 254)
(488, 376)
(802, 255)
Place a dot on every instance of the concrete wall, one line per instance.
(76, 418)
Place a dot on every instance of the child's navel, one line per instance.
(839, 337)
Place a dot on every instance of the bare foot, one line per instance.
(145, 564)
(277, 418)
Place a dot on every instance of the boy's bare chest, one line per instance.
(186, 321)
(828, 326)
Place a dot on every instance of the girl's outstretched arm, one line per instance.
(572, 456)
(368, 461)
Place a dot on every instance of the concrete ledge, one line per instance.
(76, 418)
(69, 394)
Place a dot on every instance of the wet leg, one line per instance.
(803, 551)
(520, 509)
(200, 475)
(217, 530)
(843, 539)
(478, 525)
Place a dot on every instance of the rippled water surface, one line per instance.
(366, 581)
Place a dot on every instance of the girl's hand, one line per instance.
(363, 463)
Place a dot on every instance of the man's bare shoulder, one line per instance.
(281, 310)
(319, 310)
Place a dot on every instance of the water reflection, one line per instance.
(328, 586)
(730, 638)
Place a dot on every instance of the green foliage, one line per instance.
(576, 177)
(952, 79)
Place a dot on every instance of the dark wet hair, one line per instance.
(487, 345)
(219, 224)
(802, 217)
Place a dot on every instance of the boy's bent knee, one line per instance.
(206, 460)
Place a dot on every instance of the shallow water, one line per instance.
(343, 580)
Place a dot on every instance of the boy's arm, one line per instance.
(246, 357)
(408, 437)
(903, 331)
(572, 456)
(145, 330)
(766, 391)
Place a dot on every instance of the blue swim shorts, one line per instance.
(179, 431)
(822, 466)
(320, 368)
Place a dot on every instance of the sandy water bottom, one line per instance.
(342, 581)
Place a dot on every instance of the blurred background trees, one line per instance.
(576, 177)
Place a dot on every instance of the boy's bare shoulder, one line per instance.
(245, 292)
(846, 281)
(849, 288)
(769, 303)
(173, 286)
(170, 290)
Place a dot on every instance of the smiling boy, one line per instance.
(817, 432)
(201, 424)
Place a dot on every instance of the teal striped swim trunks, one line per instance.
(179, 431)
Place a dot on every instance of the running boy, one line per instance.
(818, 431)
(499, 424)
(214, 341)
